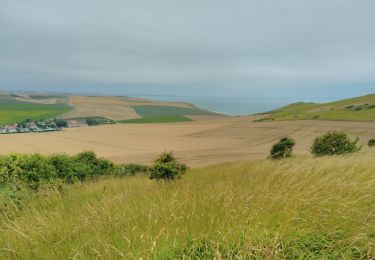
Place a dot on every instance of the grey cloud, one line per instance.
(237, 46)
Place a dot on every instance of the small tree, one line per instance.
(334, 143)
(282, 149)
(166, 167)
(371, 142)
(92, 121)
(61, 123)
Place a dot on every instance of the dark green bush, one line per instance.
(371, 142)
(334, 143)
(282, 149)
(91, 166)
(64, 166)
(166, 167)
(23, 170)
(92, 122)
(61, 123)
(33, 170)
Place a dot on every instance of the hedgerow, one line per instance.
(33, 170)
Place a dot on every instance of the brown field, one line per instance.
(45, 101)
(115, 108)
(205, 141)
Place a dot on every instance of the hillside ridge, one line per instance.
(360, 108)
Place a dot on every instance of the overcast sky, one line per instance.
(305, 48)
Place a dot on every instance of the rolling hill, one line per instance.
(18, 107)
(131, 110)
(353, 109)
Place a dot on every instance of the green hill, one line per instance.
(353, 109)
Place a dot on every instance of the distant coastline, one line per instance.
(233, 106)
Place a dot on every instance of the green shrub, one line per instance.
(66, 167)
(33, 170)
(131, 169)
(90, 166)
(371, 142)
(91, 121)
(334, 143)
(26, 170)
(282, 149)
(166, 167)
(61, 123)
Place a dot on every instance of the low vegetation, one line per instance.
(31, 171)
(282, 148)
(334, 143)
(300, 208)
(93, 121)
(371, 142)
(131, 169)
(166, 167)
(264, 119)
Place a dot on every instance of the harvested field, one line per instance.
(207, 140)
(47, 101)
(115, 108)
(106, 111)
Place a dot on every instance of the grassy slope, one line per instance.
(156, 119)
(329, 111)
(297, 208)
(13, 111)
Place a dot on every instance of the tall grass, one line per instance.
(300, 207)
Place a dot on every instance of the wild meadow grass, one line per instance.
(297, 208)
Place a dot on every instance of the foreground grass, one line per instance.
(297, 208)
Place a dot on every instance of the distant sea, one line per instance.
(227, 105)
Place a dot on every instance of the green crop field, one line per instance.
(13, 111)
(145, 111)
(156, 119)
(354, 109)
(298, 208)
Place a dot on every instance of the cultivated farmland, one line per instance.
(125, 108)
(16, 109)
(206, 140)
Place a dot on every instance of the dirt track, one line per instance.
(205, 141)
